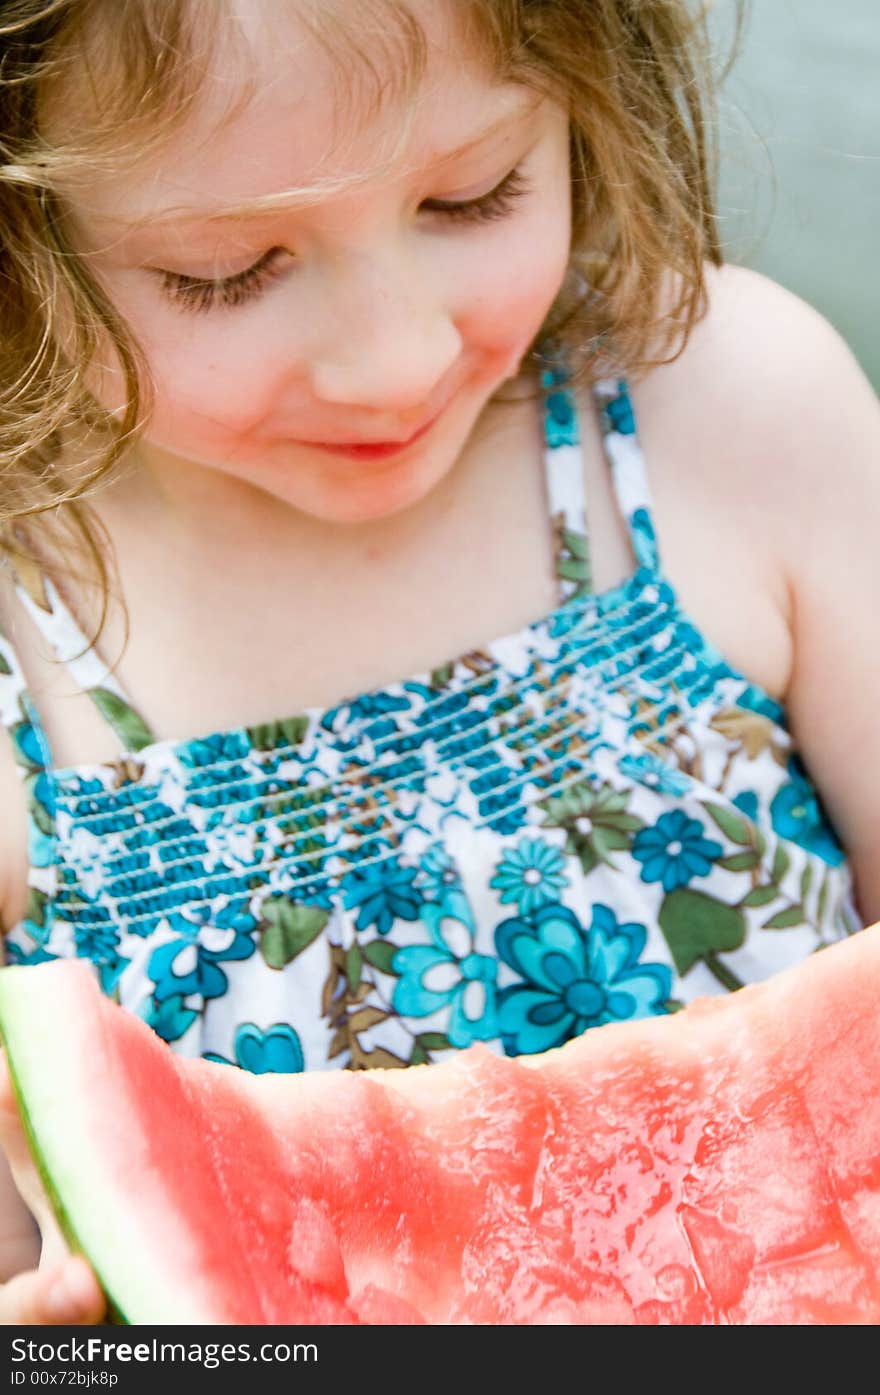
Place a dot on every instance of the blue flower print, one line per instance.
(275, 1051)
(384, 892)
(235, 915)
(214, 750)
(41, 847)
(574, 979)
(189, 963)
(675, 850)
(644, 538)
(98, 942)
(16, 955)
(754, 700)
(169, 1019)
(531, 874)
(796, 814)
(372, 712)
(561, 419)
(439, 872)
(451, 927)
(747, 802)
(655, 773)
(620, 413)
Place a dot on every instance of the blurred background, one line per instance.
(800, 142)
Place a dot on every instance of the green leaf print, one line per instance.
(442, 675)
(760, 896)
(288, 929)
(125, 721)
(38, 811)
(424, 1044)
(36, 906)
(5, 670)
(698, 927)
(806, 883)
(741, 862)
(268, 736)
(823, 900)
(781, 864)
(573, 558)
(737, 828)
(380, 953)
(784, 920)
(354, 963)
(595, 821)
(575, 543)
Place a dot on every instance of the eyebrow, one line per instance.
(265, 205)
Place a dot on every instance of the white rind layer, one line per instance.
(139, 1252)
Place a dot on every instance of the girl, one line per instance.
(430, 575)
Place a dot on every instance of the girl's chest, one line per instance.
(247, 638)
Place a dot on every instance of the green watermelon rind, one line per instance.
(115, 1316)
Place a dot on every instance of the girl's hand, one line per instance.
(61, 1295)
(62, 1290)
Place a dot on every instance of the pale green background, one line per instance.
(800, 140)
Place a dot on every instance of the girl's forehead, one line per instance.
(295, 115)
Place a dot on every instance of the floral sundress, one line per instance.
(593, 819)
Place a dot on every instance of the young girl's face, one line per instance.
(389, 310)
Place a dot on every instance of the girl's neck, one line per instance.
(212, 514)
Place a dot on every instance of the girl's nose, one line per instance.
(390, 347)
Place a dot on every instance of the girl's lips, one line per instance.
(378, 451)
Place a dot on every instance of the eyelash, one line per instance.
(193, 294)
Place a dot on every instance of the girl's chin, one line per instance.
(372, 495)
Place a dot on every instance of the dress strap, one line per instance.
(628, 470)
(48, 611)
(17, 713)
(566, 493)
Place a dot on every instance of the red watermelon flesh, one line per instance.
(721, 1165)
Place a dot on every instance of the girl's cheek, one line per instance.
(228, 395)
(512, 295)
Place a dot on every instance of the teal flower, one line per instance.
(375, 709)
(644, 538)
(675, 850)
(531, 875)
(27, 744)
(189, 963)
(754, 700)
(41, 846)
(384, 892)
(464, 982)
(212, 750)
(619, 412)
(796, 814)
(439, 872)
(16, 955)
(99, 943)
(652, 771)
(275, 1051)
(574, 979)
(169, 1019)
(747, 801)
(561, 424)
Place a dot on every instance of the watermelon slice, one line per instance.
(718, 1166)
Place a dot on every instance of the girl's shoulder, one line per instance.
(779, 426)
(767, 409)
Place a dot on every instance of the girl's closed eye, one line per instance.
(195, 293)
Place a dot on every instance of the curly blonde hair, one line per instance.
(636, 76)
